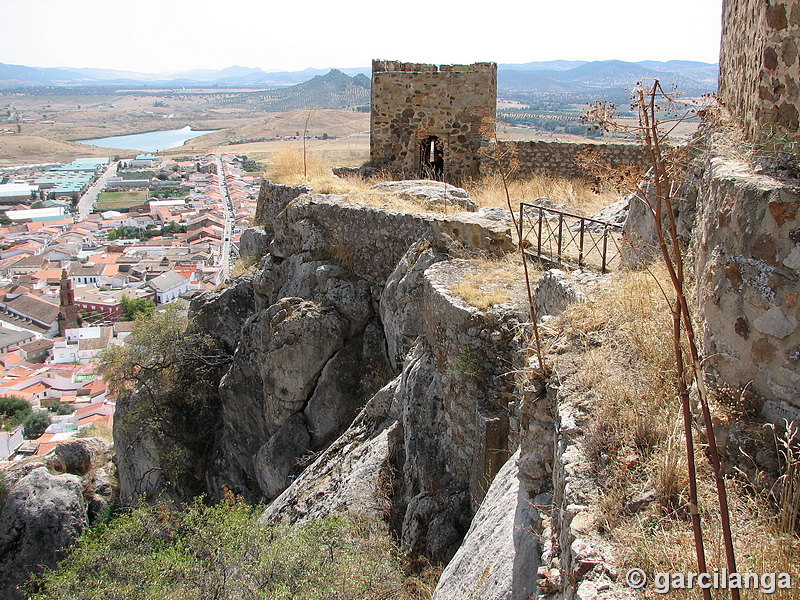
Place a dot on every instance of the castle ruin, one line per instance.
(759, 68)
(429, 121)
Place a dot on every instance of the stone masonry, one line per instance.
(557, 159)
(429, 121)
(759, 68)
(436, 122)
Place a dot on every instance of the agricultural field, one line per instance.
(120, 201)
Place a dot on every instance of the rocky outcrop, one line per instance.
(401, 308)
(370, 241)
(306, 329)
(273, 198)
(358, 380)
(500, 555)
(302, 369)
(423, 451)
(354, 474)
(429, 194)
(254, 242)
(43, 515)
(556, 290)
(48, 503)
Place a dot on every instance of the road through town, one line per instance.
(86, 203)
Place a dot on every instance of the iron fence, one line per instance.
(563, 237)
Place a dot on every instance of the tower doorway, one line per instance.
(431, 158)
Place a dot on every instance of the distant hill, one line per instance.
(543, 77)
(691, 77)
(334, 90)
(16, 76)
(540, 85)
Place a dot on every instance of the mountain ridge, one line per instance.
(558, 75)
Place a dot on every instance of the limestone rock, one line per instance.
(347, 381)
(615, 213)
(554, 291)
(137, 457)
(353, 474)
(276, 459)
(369, 241)
(78, 455)
(273, 199)
(435, 523)
(500, 555)
(401, 300)
(362, 172)
(429, 193)
(43, 515)
(222, 313)
(254, 242)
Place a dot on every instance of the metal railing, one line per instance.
(562, 237)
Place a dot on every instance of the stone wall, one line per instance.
(370, 241)
(414, 102)
(759, 67)
(747, 266)
(557, 158)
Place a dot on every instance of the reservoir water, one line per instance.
(152, 141)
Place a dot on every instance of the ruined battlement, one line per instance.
(383, 66)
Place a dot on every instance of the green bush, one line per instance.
(64, 409)
(10, 406)
(35, 424)
(13, 411)
(220, 552)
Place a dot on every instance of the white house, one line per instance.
(168, 286)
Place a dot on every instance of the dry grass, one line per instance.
(286, 166)
(104, 432)
(489, 282)
(575, 193)
(243, 265)
(635, 445)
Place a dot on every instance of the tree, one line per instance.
(9, 406)
(13, 410)
(136, 308)
(36, 423)
(167, 382)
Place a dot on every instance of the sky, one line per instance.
(286, 35)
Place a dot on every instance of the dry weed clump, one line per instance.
(637, 452)
(287, 166)
(624, 331)
(577, 194)
(490, 282)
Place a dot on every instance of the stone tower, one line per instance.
(429, 121)
(759, 68)
(68, 313)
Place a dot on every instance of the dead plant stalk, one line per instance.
(659, 199)
(492, 126)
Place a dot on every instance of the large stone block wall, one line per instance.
(747, 266)
(370, 241)
(759, 66)
(555, 158)
(411, 102)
